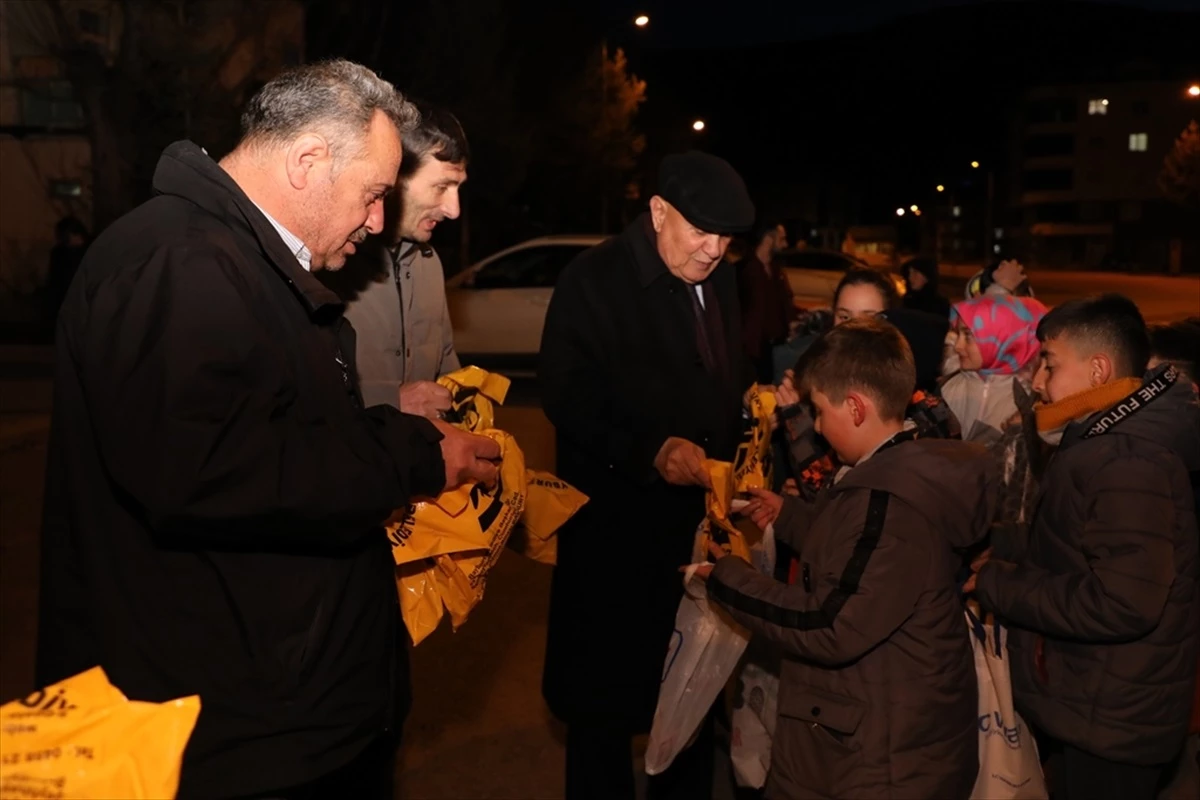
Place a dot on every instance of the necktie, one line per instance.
(710, 332)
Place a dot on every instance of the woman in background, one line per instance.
(996, 344)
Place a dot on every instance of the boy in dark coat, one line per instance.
(1104, 601)
(877, 696)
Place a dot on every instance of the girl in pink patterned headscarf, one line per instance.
(996, 345)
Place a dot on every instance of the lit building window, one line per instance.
(956, 211)
(995, 248)
(998, 233)
(1097, 107)
(1138, 142)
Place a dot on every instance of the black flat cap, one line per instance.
(708, 192)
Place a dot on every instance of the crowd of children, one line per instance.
(1073, 520)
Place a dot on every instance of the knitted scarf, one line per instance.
(1053, 416)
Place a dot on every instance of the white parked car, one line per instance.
(498, 306)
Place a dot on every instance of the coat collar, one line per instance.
(185, 170)
(406, 251)
(643, 241)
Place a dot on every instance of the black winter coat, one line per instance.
(215, 491)
(621, 372)
(1105, 604)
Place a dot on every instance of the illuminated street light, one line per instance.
(1194, 90)
(913, 209)
(941, 188)
(974, 165)
(917, 212)
(641, 20)
(698, 125)
(899, 212)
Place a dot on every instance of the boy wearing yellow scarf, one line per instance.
(1104, 605)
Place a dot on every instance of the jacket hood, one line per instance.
(186, 171)
(1165, 411)
(952, 483)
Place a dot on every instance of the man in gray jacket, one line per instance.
(396, 294)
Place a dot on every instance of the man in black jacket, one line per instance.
(643, 375)
(216, 487)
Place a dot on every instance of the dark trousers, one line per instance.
(1077, 775)
(600, 766)
(370, 776)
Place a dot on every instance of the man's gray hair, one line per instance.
(336, 98)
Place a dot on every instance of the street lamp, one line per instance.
(698, 125)
(913, 208)
(941, 188)
(899, 212)
(1194, 90)
(641, 20)
(974, 165)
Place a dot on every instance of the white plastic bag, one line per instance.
(755, 709)
(756, 696)
(704, 651)
(1009, 766)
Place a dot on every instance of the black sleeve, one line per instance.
(1126, 540)
(576, 374)
(197, 420)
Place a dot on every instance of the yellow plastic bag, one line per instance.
(750, 469)
(444, 548)
(549, 504)
(752, 462)
(475, 394)
(465, 519)
(449, 544)
(550, 501)
(81, 738)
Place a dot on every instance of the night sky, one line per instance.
(709, 23)
(884, 98)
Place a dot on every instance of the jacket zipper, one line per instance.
(403, 323)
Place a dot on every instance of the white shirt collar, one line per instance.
(291, 240)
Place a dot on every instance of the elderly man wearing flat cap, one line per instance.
(642, 376)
